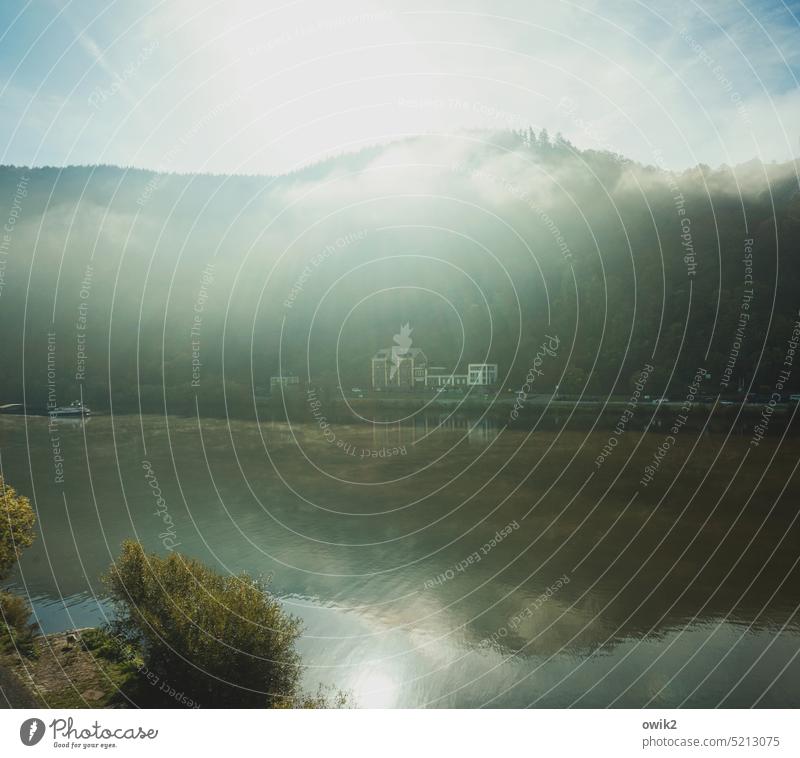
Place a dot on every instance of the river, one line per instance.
(446, 561)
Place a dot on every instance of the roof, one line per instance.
(385, 353)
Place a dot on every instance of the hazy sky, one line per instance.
(250, 86)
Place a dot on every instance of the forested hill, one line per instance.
(121, 282)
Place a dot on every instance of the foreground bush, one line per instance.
(218, 641)
(17, 633)
(16, 526)
(17, 520)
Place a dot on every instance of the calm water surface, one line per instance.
(447, 561)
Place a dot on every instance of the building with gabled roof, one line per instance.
(399, 368)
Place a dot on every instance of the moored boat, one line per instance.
(12, 409)
(76, 408)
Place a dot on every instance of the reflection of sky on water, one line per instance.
(358, 561)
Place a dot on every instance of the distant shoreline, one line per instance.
(543, 413)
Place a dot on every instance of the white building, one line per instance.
(440, 377)
(393, 367)
(482, 374)
(283, 381)
(409, 369)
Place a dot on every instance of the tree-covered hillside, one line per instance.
(117, 282)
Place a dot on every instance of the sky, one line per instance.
(245, 86)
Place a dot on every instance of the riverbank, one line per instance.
(544, 413)
(72, 669)
(536, 412)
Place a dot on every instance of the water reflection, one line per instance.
(420, 427)
(415, 585)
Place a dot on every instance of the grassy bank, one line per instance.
(76, 669)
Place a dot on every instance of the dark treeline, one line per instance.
(118, 283)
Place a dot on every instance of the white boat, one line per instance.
(13, 409)
(74, 409)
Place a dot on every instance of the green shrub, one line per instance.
(220, 641)
(16, 526)
(103, 644)
(17, 633)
